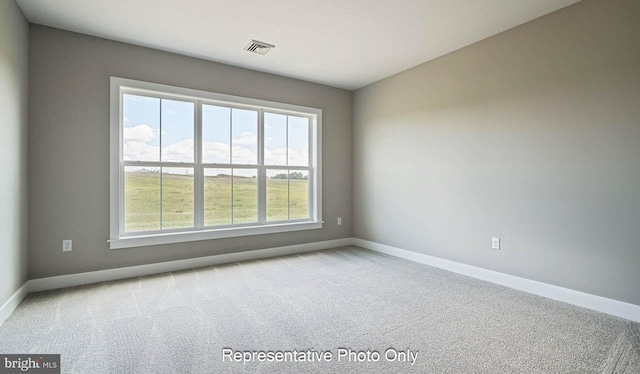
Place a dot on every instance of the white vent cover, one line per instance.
(260, 48)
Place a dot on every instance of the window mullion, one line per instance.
(121, 181)
(231, 160)
(311, 161)
(198, 171)
(262, 172)
(160, 156)
(286, 141)
(159, 164)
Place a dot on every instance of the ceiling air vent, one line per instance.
(260, 48)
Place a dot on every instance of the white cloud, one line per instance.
(246, 138)
(141, 151)
(215, 152)
(243, 155)
(212, 152)
(140, 133)
(298, 158)
(181, 151)
(278, 156)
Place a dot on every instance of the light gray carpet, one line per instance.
(345, 298)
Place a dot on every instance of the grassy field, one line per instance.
(143, 205)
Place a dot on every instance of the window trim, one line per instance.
(119, 239)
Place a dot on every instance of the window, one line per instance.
(192, 165)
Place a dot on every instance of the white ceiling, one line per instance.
(342, 43)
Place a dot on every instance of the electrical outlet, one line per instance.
(339, 221)
(495, 243)
(67, 245)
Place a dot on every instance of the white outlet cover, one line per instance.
(495, 243)
(67, 245)
(339, 221)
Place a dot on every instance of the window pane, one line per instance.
(244, 126)
(141, 198)
(277, 195)
(275, 139)
(217, 197)
(298, 141)
(177, 198)
(245, 195)
(216, 134)
(298, 194)
(141, 128)
(177, 131)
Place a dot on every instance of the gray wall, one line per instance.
(69, 148)
(532, 136)
(14, 87)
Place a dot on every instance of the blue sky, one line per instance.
(143, 133)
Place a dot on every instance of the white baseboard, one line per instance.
(597, 303)
(13, 302)
(50, 283)
(581, 299)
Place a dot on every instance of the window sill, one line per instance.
(191, 236)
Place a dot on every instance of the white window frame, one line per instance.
(120, 239)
